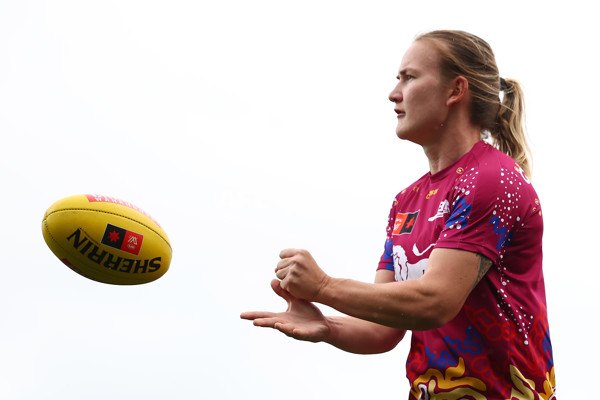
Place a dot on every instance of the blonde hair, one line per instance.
(503, 121)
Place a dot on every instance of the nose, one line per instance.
(396, 94)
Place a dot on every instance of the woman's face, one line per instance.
(420, 95)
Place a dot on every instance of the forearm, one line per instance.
(407, 305)
(416, 304)
(362, 337)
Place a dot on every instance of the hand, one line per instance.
(300, 275)
(302, 320)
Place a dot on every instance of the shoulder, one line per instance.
(490, 200)
(486, 159)
(492, 171)
(493, 182)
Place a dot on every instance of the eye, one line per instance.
(405, 77)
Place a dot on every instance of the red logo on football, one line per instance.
(132, 242)
(122, 239)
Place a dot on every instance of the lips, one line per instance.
(400, 113)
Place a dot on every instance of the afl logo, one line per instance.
(405, 222)
(122, 239)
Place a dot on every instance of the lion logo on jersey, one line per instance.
(405, 270)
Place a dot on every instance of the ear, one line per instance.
(459, 88)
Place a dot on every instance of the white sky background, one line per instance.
(245, 127)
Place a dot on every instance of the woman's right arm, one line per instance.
(364, 337)
(304, 321)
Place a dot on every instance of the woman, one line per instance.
(462, 266)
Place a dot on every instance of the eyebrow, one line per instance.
(405, 71)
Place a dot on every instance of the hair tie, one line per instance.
(503, 85)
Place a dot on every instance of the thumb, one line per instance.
(281, 292)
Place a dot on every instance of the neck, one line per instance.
(453, 145)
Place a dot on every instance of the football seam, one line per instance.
(111, 213)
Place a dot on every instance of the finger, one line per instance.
(287, 253)
(268, 322)
(286, 262)
(284, 284)
(293, 331)
(282, 273)
(282, 327)
(251, 315)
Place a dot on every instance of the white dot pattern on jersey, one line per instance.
(507, 210)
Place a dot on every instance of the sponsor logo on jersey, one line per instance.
(431, 193)
(405, 222)
(122, 239)
(443, 208)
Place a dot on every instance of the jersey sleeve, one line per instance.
(386, 261)
(487, 205)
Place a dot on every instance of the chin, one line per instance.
(403, 135)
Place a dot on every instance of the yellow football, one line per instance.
(107, 240)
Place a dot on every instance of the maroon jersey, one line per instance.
(498, 346)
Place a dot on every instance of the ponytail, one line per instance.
(508, 131)
(465, 54)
